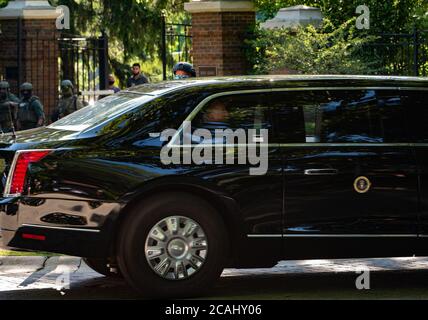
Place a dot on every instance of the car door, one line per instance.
(258, 194)
(351, 182)
(415, 102)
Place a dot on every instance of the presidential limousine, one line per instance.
(328, 167)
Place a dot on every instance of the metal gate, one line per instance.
(84, 61)
(176, 46)
(44, 58)
(402, 54)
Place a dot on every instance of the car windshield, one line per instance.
(103, 110)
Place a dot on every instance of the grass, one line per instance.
(14, 253)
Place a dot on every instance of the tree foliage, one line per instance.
(132, 26)
(309, 50)
(390, 15)
(337, 47)
(134, 30)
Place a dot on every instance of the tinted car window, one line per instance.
(416, 103)
(295, 115)
(103, 110)
(364, 116)
(234, 112)
(352, 116)
(142, 129)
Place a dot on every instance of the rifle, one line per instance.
(11, 118)
(9, 105)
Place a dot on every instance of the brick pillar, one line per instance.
(218, 33)
(29, 48)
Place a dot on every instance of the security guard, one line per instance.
(30, 109)
(183, 70)
(68, 103)
(137, 77)
(8, 104)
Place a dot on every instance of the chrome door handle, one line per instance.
(321, 172)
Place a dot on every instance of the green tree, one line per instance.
(309, 50)
(389, 15)
(133, 28)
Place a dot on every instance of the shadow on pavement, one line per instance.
(384, 285)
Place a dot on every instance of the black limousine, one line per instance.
(344, 174)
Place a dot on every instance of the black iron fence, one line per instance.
(402, 54)
(84, 61)
(44, 58)
(176, 46)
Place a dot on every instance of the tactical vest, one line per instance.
(26, 111)
(5, 114)
(6, 111)
(67, 105)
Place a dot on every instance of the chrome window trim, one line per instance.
(332, 235)
(264, 235)
(59, 228)
(201, 104)
(309, 144)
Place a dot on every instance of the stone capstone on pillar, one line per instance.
(29, 9)
(296, 16)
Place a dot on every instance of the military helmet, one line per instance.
(186, 67)
(26, 86)
(66, 83)
(4, 85)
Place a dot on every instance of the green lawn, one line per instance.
(11, 253)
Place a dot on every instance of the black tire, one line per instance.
(132, 238)
(100, 266)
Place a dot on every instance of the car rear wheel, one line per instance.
(172, 245)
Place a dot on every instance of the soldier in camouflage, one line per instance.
(8, 105)
(69, 102)
(30, 109)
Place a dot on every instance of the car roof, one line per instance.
(279, 81)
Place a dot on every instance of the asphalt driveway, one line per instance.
(63, 277)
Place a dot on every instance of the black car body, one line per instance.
(347, 174)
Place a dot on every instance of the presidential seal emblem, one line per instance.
(362, 184)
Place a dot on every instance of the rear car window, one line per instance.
(416, 103)
(340, 116)
(102, 111)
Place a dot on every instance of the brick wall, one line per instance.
(39, 51)
(8, 50)
(218, 40)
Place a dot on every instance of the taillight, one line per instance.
(16, 178)
(33, 236)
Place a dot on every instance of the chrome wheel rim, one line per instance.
(176, 248)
